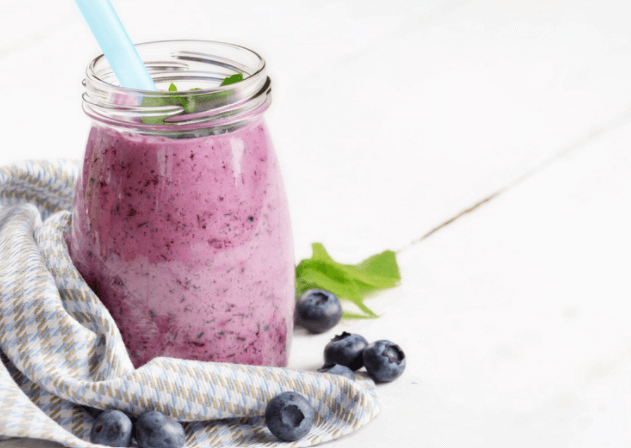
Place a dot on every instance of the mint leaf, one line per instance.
(232, 79)
(196, 103)
(155, 101)
(348, 282)
(376, 272)
(151, 101)
(182, 99)
(190, 103)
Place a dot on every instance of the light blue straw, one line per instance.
(116, 44)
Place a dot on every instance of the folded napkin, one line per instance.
(60, 348)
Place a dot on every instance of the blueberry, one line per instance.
(318, 310)
(337, 369)
(346, 349)
(289, 416)
(384, 361)
(155, 430)
(111, 428)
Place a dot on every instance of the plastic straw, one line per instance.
(116, 44)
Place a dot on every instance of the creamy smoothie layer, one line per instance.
(188, 244)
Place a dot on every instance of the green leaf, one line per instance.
(151, 101)
(349, 282)
(190, 103)
(232, 79)
(346, 315)
(182, 99)
(155, 101)
(377, 272)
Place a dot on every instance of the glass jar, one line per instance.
(180, 220)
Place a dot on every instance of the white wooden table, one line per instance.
(488, 142)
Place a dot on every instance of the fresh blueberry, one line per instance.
(337, 369)
(384, 361)
(289, 416)
(111, 428)
(346, 349)
(318, 310)
(155, 430)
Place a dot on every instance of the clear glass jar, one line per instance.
(180, 219)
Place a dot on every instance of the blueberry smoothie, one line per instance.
(188, 243)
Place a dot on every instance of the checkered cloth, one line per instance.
(60, 348)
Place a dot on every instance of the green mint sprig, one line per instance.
(189, 104)
(182, 100)
(232, 79)
(348, 282)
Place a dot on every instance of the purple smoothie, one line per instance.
(188, 244)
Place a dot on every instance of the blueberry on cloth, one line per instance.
(111, 428)
(155, 430)
(318, 310)
(347, 350)
(337, 369)
(289, 416)
(384, 361)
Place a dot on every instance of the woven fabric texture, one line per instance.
(62, 351)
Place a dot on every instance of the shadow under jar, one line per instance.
(180, 221)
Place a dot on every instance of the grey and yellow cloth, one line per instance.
(61, 349)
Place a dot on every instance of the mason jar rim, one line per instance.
(90, 72)
(202, 63)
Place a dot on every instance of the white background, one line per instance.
(505, 125)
